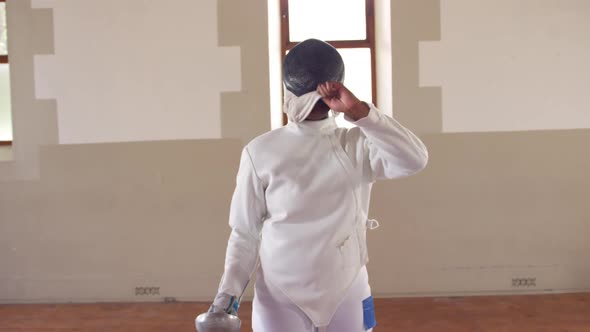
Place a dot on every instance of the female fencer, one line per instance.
(301, 202)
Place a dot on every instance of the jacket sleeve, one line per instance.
(248, 209)
(393, 151)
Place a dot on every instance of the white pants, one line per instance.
(272, 311)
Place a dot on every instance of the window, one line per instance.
(348, 25)
(5, 112)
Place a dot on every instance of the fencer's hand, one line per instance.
(225, 303)
(340, 99)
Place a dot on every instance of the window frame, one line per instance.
(367, 43)
(4, 60)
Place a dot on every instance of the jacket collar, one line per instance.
(314, 127)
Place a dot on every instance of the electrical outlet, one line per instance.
(524, 282)
(149, 291)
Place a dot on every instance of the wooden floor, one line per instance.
(555, 313)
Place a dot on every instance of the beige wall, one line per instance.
(100, 219)
(136, 70)
(510, 65)
(106, 218)
(413, 22)
(6, 153)
(246, 114)
(489, 208)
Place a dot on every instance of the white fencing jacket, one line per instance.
(301, 204)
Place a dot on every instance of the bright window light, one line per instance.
(3, 34)
(327, 19)
(5, 109)
(357, 62)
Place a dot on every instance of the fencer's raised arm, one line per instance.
(393, 150)
(248, 209)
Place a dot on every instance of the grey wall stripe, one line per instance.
(34, 121)
(412, 22)
(246, 114)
